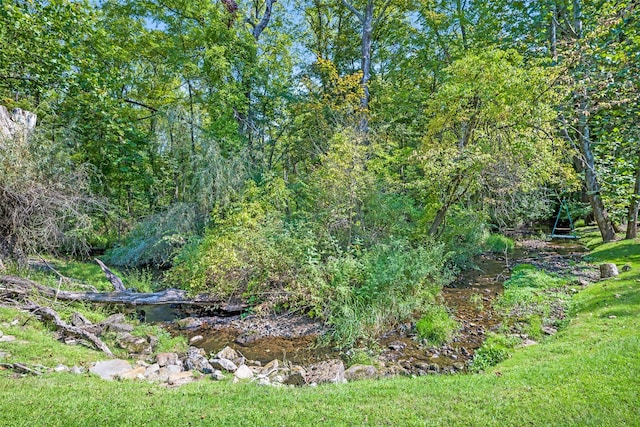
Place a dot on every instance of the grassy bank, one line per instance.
(587, 374)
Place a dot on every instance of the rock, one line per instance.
(174, 369)
(224, 364)
(7, 338)
(79, 320)
(116, 323)
(243, 373)
(108, 369)
(189, 323)
(329, 371)
(3, 354)
(294, 379)
(196, 361)
(134, 374)
(360, 372)
(180, 378)
(196, 339)
(217, 375)
(165, 359)
(528, 343)
(397, 346)
(232, 355)
(61, 368)
(138, 346)
(549, 330)
(270, 367)
(152, 370)
(458, 365)
(608, 270)
(247, 338)
(626, 268)
(77, 370)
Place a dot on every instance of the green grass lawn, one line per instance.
(586, 375)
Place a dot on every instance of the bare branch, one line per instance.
(258, 29)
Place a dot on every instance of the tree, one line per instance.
(492, 117)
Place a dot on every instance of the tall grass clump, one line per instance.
(498, 243)
(436, 325)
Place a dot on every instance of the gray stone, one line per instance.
(608, 270)
(7, 338)
(196, 339)
(116, 323)
(174, 369)
(329, 371)
(274, 364)
(243, 373)
(626, 268)
(108, 369)
(549, 330)
(196, 361)
(165, 359)
(138, 346)
(152, 370)
(3, 354)
(528, 343)
(77, 370)
(232, 355)
(217, 375)
(134, 374)
(189, 323)
(61, 368)
(180, 378)
(224, 364)
(360, 372)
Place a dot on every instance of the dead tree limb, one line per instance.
(20, 287)
(47, 313)
(115, 280)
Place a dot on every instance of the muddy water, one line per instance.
(470, 299)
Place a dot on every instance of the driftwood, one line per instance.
(47, 313)
(16, 286)
(21, 368)
(111, 276)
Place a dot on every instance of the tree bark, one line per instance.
(591, 179)
(634, 206)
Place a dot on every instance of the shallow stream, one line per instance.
(469, 297)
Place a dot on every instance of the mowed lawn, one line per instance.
(586, 375)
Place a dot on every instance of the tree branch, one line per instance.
(258, 29)
(382, 13)
(353, 10)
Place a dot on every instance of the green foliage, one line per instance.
(494, 350)
(436, 325)
(157, 239)
(499, 244)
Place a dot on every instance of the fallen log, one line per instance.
(24, 287)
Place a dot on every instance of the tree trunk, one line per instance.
(632, 216)
(367, 40)
(591, 180)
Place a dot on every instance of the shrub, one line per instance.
(157, 239)
(498, 243)
(436, 325)
(494, 350)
